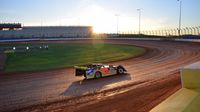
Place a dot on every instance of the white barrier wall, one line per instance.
(54, 31)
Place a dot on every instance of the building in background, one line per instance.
(16, 30)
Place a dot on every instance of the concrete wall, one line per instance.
(190, 76)
(54, 31)
(187, 99)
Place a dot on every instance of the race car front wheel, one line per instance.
(98, 75)
(120, 70)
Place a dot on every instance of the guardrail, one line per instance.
(115, 38)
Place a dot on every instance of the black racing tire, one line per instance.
(120, 70)
(98, 75)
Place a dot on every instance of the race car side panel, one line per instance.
(104, 70)
(90, 74)
(113, 71)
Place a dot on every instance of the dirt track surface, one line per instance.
(140, 99)
(162, 60)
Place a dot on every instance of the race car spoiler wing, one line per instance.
(80, 71)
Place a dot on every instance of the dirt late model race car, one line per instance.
(99, 70)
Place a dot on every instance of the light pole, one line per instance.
(180, 14)
(117, 15)
(41, 27)
(139, 10)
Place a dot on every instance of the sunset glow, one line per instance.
(101, 14)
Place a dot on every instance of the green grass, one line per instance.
(68, 55)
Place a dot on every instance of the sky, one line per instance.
(103, 15)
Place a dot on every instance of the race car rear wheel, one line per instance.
(120, 70)
(98, 75)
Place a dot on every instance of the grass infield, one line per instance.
(67, 55)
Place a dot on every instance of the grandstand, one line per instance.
(10, 26)
(16, 31)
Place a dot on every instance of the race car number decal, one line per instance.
(105, 70)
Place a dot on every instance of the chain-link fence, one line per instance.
(167, 32)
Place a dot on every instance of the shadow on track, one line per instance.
(94, 85)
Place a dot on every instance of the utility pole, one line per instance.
(180, 14)
(117, 15)
(139, 10)
(41, 26)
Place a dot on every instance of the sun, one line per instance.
(105, 20)
(102, 20)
